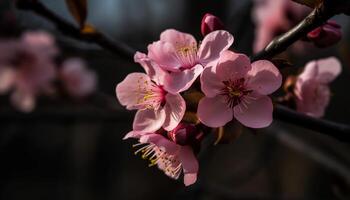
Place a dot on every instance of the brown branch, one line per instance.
(117, 47)
(316, 18)
(332, 129)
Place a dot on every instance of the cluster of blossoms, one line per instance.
(231, 87)
(231, 84)
(28, 69)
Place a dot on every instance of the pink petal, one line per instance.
(210, 83)
(328, 69)
(128, 91)
(23, 101)
(189, 164)
(310, 71)
(134, 134)
(152, 69)
(177, 82)
(177, 38)
(175, 108)
(7, 79)
(190, 178)
(149, 120)
(165, 55)
(213, 44)
(232, 66)
(188, 160)
(214, 112)
(41, 41)
(255, 114)
(264, 77)
(312, 98)
(161, 142)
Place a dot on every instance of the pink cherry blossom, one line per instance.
(273, 17)
(171, 158)
(77, 79)
(210, 23)
(25, 70)
(234, 87)
(146, 93)
(326, 35)
(311, 90)
(183, 60)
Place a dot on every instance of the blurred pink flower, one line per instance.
(26, 70)
(211, 23)
(273, 17)
(146, 92)
(311, 90)
(183, 60)
(170, 157)
(77, 79)
(235, 87)
(41, 41)
(326, 35)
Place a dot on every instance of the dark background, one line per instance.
(77, 156)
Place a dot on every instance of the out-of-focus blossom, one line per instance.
(77, 79)
(211, 23)
(41, 41)
(179, 55)
(235, 87)
(156, 106)
(326, 35)
(273, 17)
(311, 90)
(170, 157)
(26, 70)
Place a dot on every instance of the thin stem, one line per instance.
(117, 47)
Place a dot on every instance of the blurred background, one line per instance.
(76, 156)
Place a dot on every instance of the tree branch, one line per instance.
(316, 18)
(117, 47)
(338, 131)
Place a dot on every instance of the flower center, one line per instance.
(187, 55)
(150, 95)
(170, 164)
(234, 91)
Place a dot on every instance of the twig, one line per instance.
(333, 129)
(117, 47)
(316, 18)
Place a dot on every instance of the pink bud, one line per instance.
(326, 35)
(210, 23)
(185, 134)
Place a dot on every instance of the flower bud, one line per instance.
(186, 134)
(210, 23)
(326, 35)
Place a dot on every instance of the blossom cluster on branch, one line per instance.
(232, 89)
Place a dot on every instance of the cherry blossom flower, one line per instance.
(211, 23)
(273, 17)
(311, 90)
(326, 35)
(146, 93)
(26, 70)
(41, 41)
(77, 79)
(170, 157)
(235, 87)
(183, 59)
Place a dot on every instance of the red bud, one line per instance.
(210, 23)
